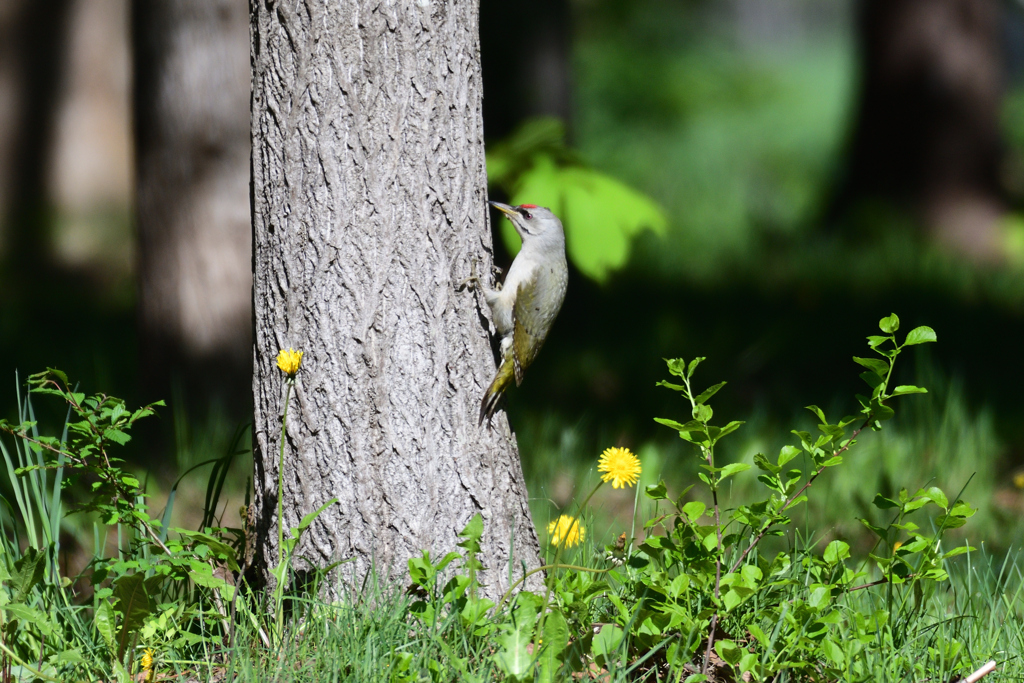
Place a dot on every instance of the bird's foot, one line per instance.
(472, 282)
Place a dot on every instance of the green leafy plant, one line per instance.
(165, 585)
(700, 596)
(600, 214)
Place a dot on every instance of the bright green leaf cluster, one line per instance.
(600, 214)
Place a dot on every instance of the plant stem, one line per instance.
(761, 534)
(710, 453)
(279, 588)
(280, 475)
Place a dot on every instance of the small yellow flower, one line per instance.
(147, 661)
(1018, 480)
(620, 467)
(567, 530)
(289, 361)
(896, 546)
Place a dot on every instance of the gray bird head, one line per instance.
(533, 223)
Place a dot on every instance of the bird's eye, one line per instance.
(527, 215)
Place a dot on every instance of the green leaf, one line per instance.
(472, 532)
(693, 510)
(68, 657)
(935, 494)
(691, 426)
(883, 503)
(556, 638)
(729, 429)
(760, 635)
(104, 620)
(600, 214)
(202, 575)
(677, 367)
(310, 518)
(513, 655)
(30, 615)
(703, 413)
(606, 642)
(889, 324)
(656, 491)
(786, 454)
(131, 600)
(709, 392)
(920, 335)
(879, 531)
(908, 389)
(732, 469)
(882, 412)
(818, 412)
(836, 551)
(874, 341)
(28, 572)
(474, 612)
(765, 464)
(219, 548)
(875, 365)
(871, 379)
(731, 600)
(728, 651)
(59, 374)
(962, 509)
(820, 597)
(834, 653)
(116, 435)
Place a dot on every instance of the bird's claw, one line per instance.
(472, 281)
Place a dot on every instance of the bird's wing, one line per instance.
(526, 339)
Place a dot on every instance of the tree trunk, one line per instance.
(192, 153)
(927, 133)
(33, 38)
(369, 205)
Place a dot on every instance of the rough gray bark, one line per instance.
(192, 185)
(369, 190)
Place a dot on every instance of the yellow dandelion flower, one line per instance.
(289, 361)
(566, 530)
(1018, 480)
(147, 659)
(620, 467)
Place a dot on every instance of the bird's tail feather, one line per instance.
(494, 392)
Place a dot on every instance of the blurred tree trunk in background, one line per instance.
(526, 49)
(33, 38)
(192, 192)
(369, 199)
(927, 130)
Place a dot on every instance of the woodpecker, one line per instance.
(524, 309)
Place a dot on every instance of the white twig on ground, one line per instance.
(980, 673)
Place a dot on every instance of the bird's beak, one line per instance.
(505, 209)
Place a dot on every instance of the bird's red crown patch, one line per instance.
(528, 206)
